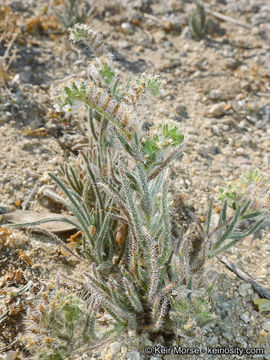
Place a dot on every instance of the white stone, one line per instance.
(127, 28)
(241, 151)
(45, 178)
(216, 130)
(217, 110)
(216, 95)
(133, 355)
(266, 326)
(245, 317)
(115, 347)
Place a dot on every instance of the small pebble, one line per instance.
(227, 336)
(11, 355)
(127, 28)
(216, 130)
(115, 347)
(213, 341)
(266, 326)
(244, 289)
(133, 355)
(45, 178)
(4, 208)
(245, 317)
(123, 44)
(217, 110)
(216, 95)
(231, 63)
(241, 151)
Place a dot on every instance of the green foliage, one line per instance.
(199, 23)
(153, 84)
(250, 186)
(191, 314)
(55, 326)
(161, 136)
(230, 195)
(263, 304)
(72, 14)
(106, 73)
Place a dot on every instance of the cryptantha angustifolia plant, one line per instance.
(56, 325)
(141, 275)
(200, 24)
(72, 12)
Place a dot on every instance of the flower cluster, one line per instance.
(69, 96)
(161, 136)
(55, 326)
(100, 91)
(137, 88)
(80, 91)
(83, 33)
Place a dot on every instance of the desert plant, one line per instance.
(199, 23)
(141, 275)
(72, 13)
(57, 324)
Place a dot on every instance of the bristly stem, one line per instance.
(165, 163)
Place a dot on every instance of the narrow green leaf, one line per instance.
(124, 143)
(252, 215)
(245, 207)
(145, 190)
(79, 213)
(247, 233)
(229, 229)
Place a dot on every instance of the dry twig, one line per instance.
(227, 18)
(264, 293)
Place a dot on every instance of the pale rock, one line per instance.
(11, 355)
(246, 139)
(245, 317)
(4, 208)
(227, 336)
(231, 63)
(123, 44)
(216, 95)
(127, 28)
(242, 124)
(54, 160)
(241, 151)
(132, 333)
(216, 130)
(133, 355)
(159, 37)
(45, 178)
(266, 326)
(217, 110)
(115, 347)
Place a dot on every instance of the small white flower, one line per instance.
(69, 109)
(158, 144)
(57, 108)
